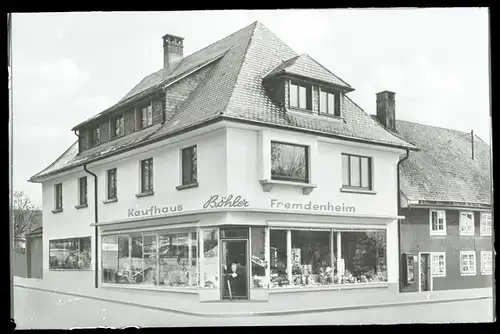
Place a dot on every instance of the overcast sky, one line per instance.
(69, 66)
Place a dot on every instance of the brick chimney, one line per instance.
(386, 110)
(172, 53)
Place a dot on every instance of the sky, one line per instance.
(67, 67)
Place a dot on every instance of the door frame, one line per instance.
(248, 264)
(420, 271)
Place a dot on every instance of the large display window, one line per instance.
(70, 254)
(326, 257)
(259, 277)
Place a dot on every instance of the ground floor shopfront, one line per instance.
(250, 256)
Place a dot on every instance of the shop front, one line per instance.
(249, 255)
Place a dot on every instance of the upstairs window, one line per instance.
(58, 200)
(437, 222)
(189, 165)
(95, 136)
(147, 116)
(82, 191)
(300, 96)
(147, 175)
(356, 172)
(289, 162)
(485, 224)
(329, 103)
(112, 184)
(118, 126)
(466, 223)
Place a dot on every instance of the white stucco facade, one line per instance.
(232, 160)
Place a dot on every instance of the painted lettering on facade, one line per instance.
(326, 207)
(154, 210)
(216, 201)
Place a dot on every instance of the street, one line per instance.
(44, 310)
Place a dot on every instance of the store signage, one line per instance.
(310, 206)
(154, 210)
(216, 201)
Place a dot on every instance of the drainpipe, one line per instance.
(96, 252)
(399, 221)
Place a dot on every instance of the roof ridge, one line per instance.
(255, 24)
(441, 127)
(317, 62)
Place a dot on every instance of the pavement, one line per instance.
(50, 310)
(156, 301)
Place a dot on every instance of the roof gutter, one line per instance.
(399, 210)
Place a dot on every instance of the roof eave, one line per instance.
(427, 203)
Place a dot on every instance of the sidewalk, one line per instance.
(157, 301)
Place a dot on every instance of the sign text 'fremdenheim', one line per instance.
(328, 207)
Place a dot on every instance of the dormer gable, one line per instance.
(301, 83)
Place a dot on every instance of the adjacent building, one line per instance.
(242, 153)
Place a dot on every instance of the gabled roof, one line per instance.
(443, 171)
(305, 66)
(233, 90)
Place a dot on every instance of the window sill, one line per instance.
(81, 206)
(303, 110)
(70, 269)
(191, 290)
(187, 186)
(340, 118)
(434, 234)
(111, 200)
(468, 274)
(337, 287)
(57, 210)
(145, 193)
(486, 273)
(485, 235)
(307, 188)
(467, 234)
(358, 191)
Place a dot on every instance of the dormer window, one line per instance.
(117, 126)
(300, 96)
(329, 103)
(95, 136)
(147, 116)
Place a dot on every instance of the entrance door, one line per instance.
(234, 269)
(425, 272)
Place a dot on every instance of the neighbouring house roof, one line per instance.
(306, 66)
(233, 90)
(443, 171)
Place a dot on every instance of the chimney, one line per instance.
(386, 110)
(472, 142)
(172, 53)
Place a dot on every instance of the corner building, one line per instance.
(242, 153)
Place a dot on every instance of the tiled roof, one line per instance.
(443, 169)
(306, 66)
(233, 88)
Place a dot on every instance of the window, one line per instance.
(468, 263)
(118, 126)
(289, 162)
(147, 116)
(70, 254)
(82, 191)
(189, 166)
(258, 241)
(485, 223)
(112, 184)
(300, 96)
(438, 264)
(356, 172)
(486, 262)
(95, 136)
(147, 175)
(466, 223)
(58, 197)
(325, 257)
(329, 103)
(437, 222)
(209, 270)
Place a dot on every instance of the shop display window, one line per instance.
(70, 254)
(259, 264)
(210, 264)
(278, 259)
(178, 261)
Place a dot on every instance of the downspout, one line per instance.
(399, 220)
(96, 229)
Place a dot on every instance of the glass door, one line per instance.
(234, 269)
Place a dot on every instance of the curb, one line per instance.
(256, 314)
